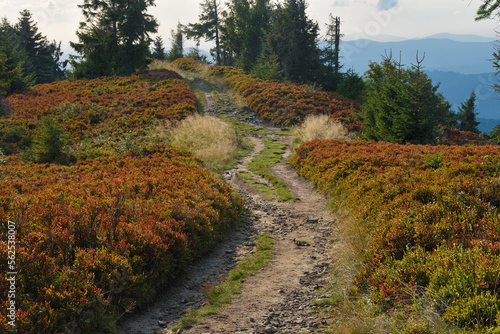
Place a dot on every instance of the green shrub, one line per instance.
(48, 143)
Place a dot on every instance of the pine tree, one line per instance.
(159, 49)
(114, 38)
(208, 26)
(293, 38)
(331, 75)
(15, 62)
(402, 105)
(43, 55)
(177, 50)
(467, 115)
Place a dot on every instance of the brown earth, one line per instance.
(279, 298)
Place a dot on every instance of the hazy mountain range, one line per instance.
(461, 63)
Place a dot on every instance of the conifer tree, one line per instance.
(246, 25)
(114, 37)
(43, 55)
(293, 38)
(177, 50)
(48, 142)
(159, 49)
(467, 115)
(402, 105)
(208, 26)
(14, 62)
(331, 75)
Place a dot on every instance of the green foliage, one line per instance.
(16, 70)
(42, 54)
(402, 105)
(177, 49)
(467, 115)
(159, 49)
(434, 160)
(246, 25)
(293, 38)
(488, 9)
(48, 142)
(268, 66)
(110, 43)
(352, 86)
(208, 26)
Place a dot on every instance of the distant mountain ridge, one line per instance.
(461, 63)
(441, 54)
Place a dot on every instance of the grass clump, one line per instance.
(269, 157)
(321, 127)
(249, 129)
(210, 140)
(220, 296)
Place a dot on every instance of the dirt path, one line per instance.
(279, 298)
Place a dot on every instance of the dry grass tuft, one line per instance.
(209, 139)
(321, 127)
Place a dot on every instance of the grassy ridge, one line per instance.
(427, 226)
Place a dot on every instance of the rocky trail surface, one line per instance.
(284, 296)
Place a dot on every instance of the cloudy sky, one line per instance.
(58, 19)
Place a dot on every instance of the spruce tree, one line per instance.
(467, 115)
(331, 75)
(43, 55)
(159, 49)
(15, 62)
(208, 26)
(402, 105)
(177, 50)
(246, 25)
(293, 38)
(114, 37)
(48, 142)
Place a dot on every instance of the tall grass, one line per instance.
(210, 140)
(321, 127)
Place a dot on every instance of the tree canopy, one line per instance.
(208, 26)
(402, 105)
(114, 37)
(488, 9)
(43, 55)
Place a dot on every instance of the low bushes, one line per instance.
(105, 107)
(97, 238)
(429, 222)
(288, 104)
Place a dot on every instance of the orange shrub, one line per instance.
(288, 104)
(104, 104)
(94, 238)
(430, 219)
(187, 64)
